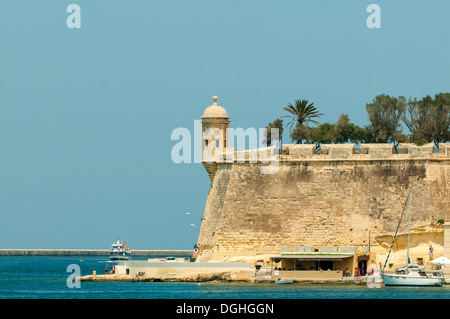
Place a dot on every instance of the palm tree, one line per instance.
(302, 113)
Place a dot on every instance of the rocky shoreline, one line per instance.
(228, 276)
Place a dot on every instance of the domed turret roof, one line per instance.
(215, 111)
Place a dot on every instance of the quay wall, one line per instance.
(89, 253)
(132, 268)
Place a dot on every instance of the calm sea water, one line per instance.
(45, 278)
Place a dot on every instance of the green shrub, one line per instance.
(420, 142)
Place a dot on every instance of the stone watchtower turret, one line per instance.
(215, 122)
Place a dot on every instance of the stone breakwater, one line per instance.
(88, 253)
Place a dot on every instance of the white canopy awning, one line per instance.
(441, 261)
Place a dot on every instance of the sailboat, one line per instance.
(411, 274)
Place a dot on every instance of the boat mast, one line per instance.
(409, 230)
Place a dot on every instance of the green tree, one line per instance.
(363, 134)
(278, 123)
(323, 134)
(385, 113)
(301, 133)
(441, 112)
(343, 131)
(302, 114)
(418, 118)
(429, 118)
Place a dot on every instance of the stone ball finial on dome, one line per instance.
(215, 110)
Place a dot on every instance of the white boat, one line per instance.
(120, 251)
(413, 278)
(411, 274)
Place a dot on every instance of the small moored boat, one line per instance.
(284, 281)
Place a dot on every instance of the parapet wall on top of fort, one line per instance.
(365, 151)
(333, 151)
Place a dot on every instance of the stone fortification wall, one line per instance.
(339, 197)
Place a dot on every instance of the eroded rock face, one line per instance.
(421, 238)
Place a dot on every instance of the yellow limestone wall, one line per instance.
(336, 199)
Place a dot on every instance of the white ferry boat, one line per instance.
(120, 251)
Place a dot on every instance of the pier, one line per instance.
(90, 253)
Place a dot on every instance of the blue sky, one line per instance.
(86, 115)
